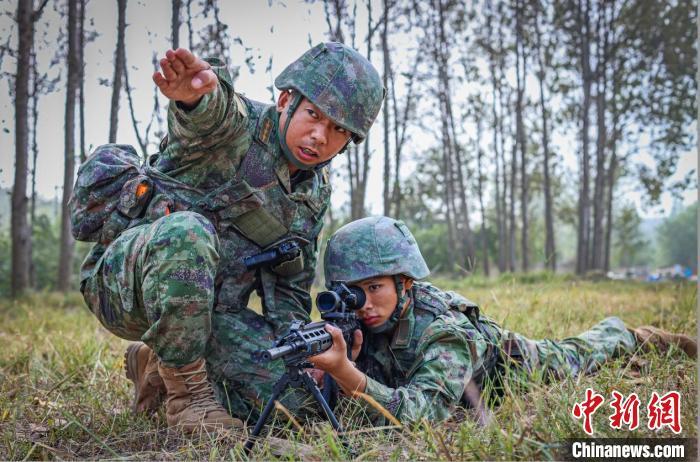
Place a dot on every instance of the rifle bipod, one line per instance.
(296, 377)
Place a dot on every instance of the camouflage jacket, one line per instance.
(437, 347)
(226, 154)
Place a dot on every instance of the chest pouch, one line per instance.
(237, 204)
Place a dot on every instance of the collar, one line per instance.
(403, 334)
(267, 134)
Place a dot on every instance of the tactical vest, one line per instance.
(403, 348)
(251, 212)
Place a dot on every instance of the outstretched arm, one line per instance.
(204, 111)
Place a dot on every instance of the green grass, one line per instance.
(63, 393)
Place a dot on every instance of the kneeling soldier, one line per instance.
(235, 178)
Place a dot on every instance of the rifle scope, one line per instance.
(340, 298)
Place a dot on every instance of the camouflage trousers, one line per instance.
(524, 359)
(155, 283)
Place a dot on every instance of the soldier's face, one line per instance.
(312, 137)
(381, 299)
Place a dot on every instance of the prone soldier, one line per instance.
(422, 346)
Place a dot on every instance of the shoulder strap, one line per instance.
(427, 297)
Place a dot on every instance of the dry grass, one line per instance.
(63, 394)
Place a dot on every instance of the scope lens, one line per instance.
(327, 301)
(360, 298)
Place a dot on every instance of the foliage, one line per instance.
(63, 394)
(678, 239)
(628, 239)
(431, 241)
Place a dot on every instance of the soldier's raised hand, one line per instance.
(184, 77)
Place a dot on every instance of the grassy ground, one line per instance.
(63, 394)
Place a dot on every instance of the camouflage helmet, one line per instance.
(373, 246)
(340, 82)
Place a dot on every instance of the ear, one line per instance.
(283, 100)
(407, 282)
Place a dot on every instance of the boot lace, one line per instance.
(201, 393)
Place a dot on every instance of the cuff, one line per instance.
(381, 393)
(206, 105)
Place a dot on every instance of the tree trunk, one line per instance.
(511, 206)
(447, 145)
(582, 250)
(35, 156)
(614, 138)
(520, 73)
(81, 102)
(454, 151)
(190, 40)
(65, 261)
(119, 65)
(484, 238)
(549, 247)
(498, 79)
(610, 179)
(175, 24)
(598, 257)
(400, 126)
(20, 231)
(500, 231)
(385, 110)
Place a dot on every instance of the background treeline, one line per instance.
(510, 135)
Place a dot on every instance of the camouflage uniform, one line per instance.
(173, 274)
(169, 278)
(419, 363)
(441, 343)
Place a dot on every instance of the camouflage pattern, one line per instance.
(155, 283)
(373, 246)
(98, 190)
(340, 82)
(442, 343)
(162, 278)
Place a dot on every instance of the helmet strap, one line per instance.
(291, 109)
(390, 323)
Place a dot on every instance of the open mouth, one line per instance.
(307, 155)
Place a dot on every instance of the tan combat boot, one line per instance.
(142, 368)
(662, 340)
(190, 403)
